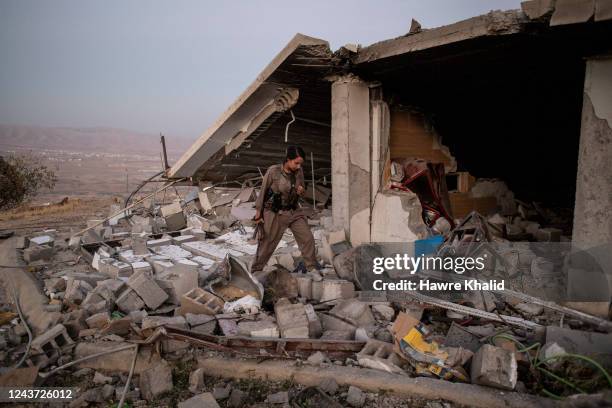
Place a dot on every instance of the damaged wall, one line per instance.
(350, 138)
(592, 221)
(361, 124)
(412, 136)
(506, 107)
(396, 217)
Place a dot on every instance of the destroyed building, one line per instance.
(495, 127)
(519, 96)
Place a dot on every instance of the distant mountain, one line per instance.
(90, 140)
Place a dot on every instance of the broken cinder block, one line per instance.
(332, 289)
(199, 301)
(47, 347)
(329, 239)
(380, 356)
(292, 319)
(35, 253)
(118, 269)
(98, 320)
(156, 380)
(158, 242)
(129, 301)
(265, 328)
(494, 367)
(150, 292)
(304, 285)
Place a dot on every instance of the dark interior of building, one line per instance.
(508, 107)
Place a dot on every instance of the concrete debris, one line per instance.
(328, 240)
(174, 277)
(237, 398)
(129, 302)
(156, 381)
(355, 397)
(264, 328)
(98, 320)
(228, 325)
(150, 292)
(152, 322)
(292, 319)
(35, 253)
(278, 398)
(333, 289)
(591, 344)
(383, 312)
(354, 311)
(494, 367)
(317, 358)
(530, 309)
(361, 334)
(199, 301)
(100, 378)
(47, 347)
(205, 400)
(222, 392)
(329, 385)
(380, 356)
(457, 336)
(107, 392)
(196, 380)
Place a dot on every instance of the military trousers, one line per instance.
(274, 226)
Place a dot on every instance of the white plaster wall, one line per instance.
(397, 218)
(339, 155)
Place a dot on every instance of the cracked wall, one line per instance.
(592, 214)
(350, 135)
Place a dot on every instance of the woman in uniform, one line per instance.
(277, 209)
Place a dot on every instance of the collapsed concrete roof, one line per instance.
(301, 72)
(274, 91)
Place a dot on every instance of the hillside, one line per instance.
(88, 140)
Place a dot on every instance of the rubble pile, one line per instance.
(177, 276)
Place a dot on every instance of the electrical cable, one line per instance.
(141, 185)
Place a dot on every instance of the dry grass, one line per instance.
(27, 212)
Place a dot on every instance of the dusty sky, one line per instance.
(174, 66)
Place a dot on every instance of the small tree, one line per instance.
(21, 178)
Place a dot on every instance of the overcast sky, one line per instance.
(174, 66)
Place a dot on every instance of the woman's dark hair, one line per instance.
(293, 152)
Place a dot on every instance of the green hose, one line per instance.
(538, 363)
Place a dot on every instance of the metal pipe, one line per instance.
(163, 143)
(289, 123)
